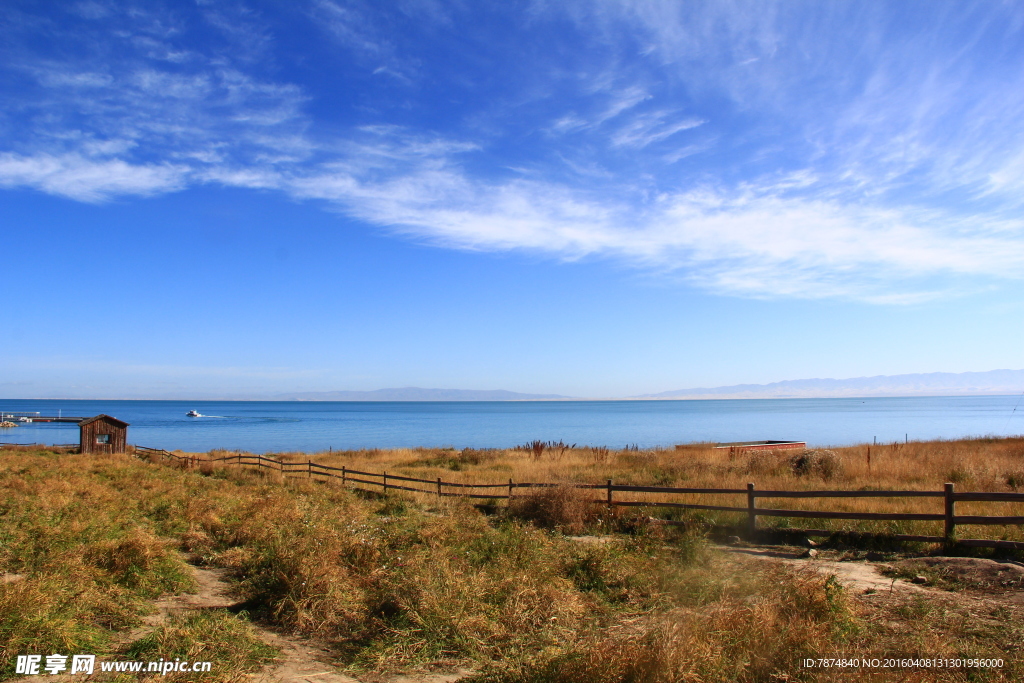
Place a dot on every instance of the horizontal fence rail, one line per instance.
(384, 482)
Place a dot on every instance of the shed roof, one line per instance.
(101, 416)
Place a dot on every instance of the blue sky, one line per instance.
(587, 198)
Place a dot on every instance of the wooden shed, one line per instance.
(102, 434)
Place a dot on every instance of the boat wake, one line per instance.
(196, 413)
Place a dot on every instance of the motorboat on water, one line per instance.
(193, 413)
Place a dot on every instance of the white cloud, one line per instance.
(773, 238)
(760, 240)
(643, 130)
(1009, 175)
(350, 26)
(59, 78)
(91, 10)
(90, 180)
(622, 100)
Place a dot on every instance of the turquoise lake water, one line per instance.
(276, 426)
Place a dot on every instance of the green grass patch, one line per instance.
(228, 642)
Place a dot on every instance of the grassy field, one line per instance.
(990, 465)
(396, 583)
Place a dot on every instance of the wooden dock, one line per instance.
(762, 445)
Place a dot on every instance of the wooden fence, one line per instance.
(383, 481)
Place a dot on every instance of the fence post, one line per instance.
(343, 475)
(439, 487)
(385, 489)
(309, 469)
(950, 510)
(609, 494)
(509, 490)
(751, 517)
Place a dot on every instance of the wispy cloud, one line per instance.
(739, 151)
(643, 130)
(918, 100)
(368, 30)
(92, 127)
(89, 179)
(758, 241)
(350, 24)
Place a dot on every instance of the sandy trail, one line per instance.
(299, 659)
(860, 576)
(981, 581)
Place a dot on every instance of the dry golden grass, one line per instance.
(990, 465)
(86, 544)
(563, 508)
(723, 640)
(976, 464)
(395, 582)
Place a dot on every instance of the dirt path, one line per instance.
(859, 576)
(965, 580)
(299, 659)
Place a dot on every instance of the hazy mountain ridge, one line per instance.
(925, 384)
(416, 394)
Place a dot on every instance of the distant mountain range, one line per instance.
(929, 384)
(416, 394)
(992, 382)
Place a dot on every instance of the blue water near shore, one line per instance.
(277, 426)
